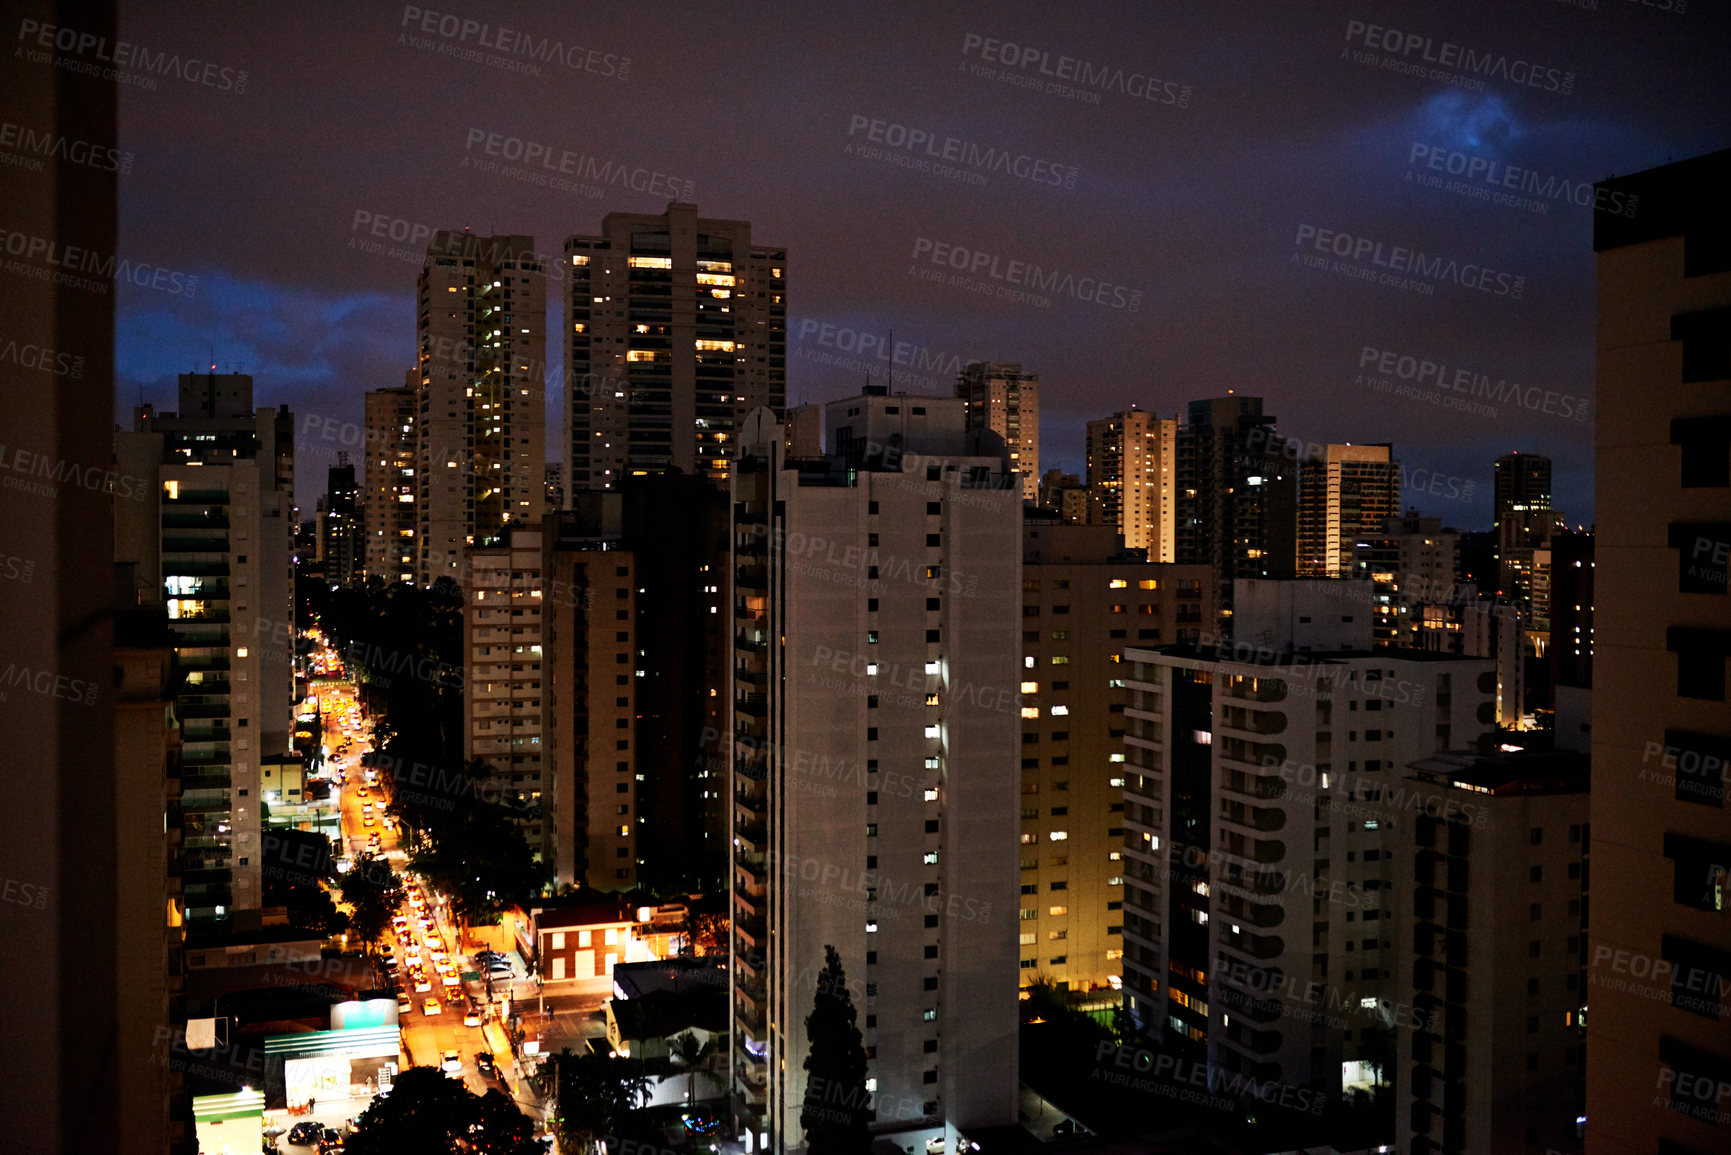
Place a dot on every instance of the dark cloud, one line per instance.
(1194, 204)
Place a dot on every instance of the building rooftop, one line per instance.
(1508, 772)
(1685, 198)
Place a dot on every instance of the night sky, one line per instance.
(1163, 166)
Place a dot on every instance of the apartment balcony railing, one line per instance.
(193, 567)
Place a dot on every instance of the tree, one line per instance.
(430, 1113)
(594, 1095)
(692, 1055)
(373, 891)
(835, 1115)
(705, 932)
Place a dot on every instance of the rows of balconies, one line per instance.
(1250, 689)
(1252, 721)
(1255, 913)
(1255, 817)
(1254, 849)
(1255, 945)
(1254, 753)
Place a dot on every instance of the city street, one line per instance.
(425, 1037)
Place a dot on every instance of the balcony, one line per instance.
(190, 708)
(747, 642)
(200, 567)
(196, 497)
(752, 802)
(1254, 689)
(193, 545)
(753, 835)
(753, 705)
(193, 519)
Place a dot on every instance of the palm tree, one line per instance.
(692, 1054)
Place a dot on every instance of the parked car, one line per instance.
(471, 1017)
(484, 1063)
(451, 1063)
(305, 1134)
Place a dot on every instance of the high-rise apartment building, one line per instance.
(1133, 477)
(1004, 399)
(1410, 564)
(1344, 492)
(1065, 495)
(388, 480)
(593, 768)
(1261, 807)
(1521, 491)
(875, 726)
(1490, 921)
(1236, 494)
(678, 330)
(480, 436)
(211, 536)
(1083, 601)
(342, 532)
(674, 530)
(505, 680)
(1658, 1055)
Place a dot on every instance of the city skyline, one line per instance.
(1259, 139)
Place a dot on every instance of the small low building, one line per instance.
(581, 938)
(645, 1027)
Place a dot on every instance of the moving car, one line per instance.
(303, 1134)
(471, 1017)
(451, 1063)
(484, 1063)
(431, 1006)
(423, 985)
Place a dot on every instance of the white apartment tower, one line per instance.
(1262, 805)
(677, 331)
(480, 436)
(876, 732)
(210, 530)
(1133, 479)
(388, 482)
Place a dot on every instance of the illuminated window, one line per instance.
(1030, 687)
(1060, 711)
(1027, 711)
(1117, 584)
(1056, 910)
(1059, 835)
(650, 262)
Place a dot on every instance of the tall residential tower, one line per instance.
(677, 331)
(1006, 400)
(480, 426)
